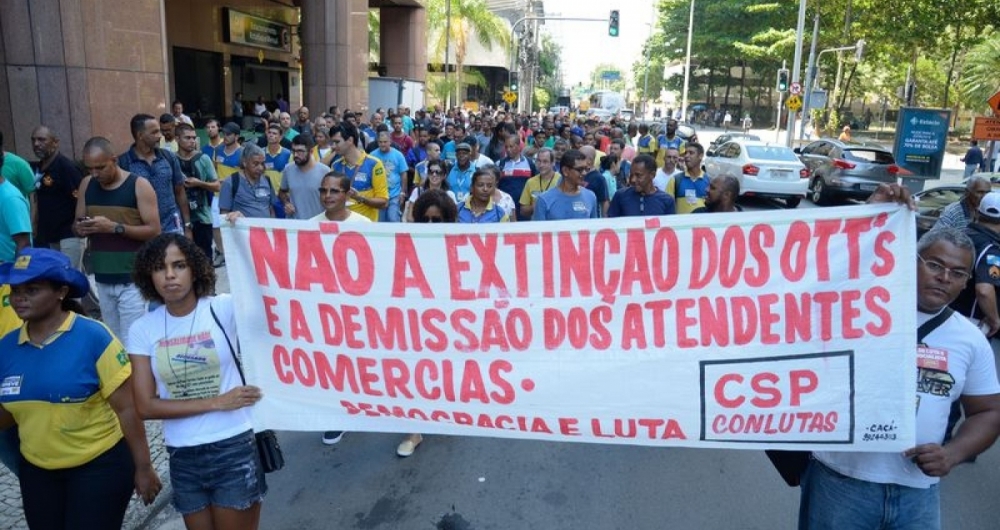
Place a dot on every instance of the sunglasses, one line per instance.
(435, 172)
(330, 191)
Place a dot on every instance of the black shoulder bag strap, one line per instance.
(239, 366)
(927, 327)
(791, 464)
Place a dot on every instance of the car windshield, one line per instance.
(871, 156)
(771, 152)
(935, 200)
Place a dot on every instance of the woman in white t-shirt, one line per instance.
(437, 171)
(185, 374)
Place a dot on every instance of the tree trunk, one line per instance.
(710, 88)
(951, 66)
(847, 87)
(729, 86)
(743, 82)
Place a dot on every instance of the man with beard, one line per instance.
(721, 197)
(57, 181)
(201, 184)
(160, 167)
(212, 129)
(300, 182)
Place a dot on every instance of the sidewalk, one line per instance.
(137, 516)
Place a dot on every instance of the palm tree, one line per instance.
(468, 17)
(374, 31)
(979, 78)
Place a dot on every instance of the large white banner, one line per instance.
(781, 329)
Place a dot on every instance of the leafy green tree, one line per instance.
(469, 18)
(979, 76)
(597, 82)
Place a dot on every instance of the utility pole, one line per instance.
(810, 79)
(645, 82)
(796, 66)
(687, 65)
(447, 51)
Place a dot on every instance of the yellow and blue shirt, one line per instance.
(58, 391)
(368, 178)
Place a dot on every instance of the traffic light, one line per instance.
(513, 81)
(783, 80)
(613, 23)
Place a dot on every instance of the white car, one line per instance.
(763, 169)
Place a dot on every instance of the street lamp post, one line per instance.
(447, 50)
(687, 65)
(645, 82)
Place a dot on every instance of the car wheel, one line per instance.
(792, 202)
(818, 192)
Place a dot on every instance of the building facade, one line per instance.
(84, 67)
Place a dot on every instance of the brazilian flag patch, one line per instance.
(122, 357)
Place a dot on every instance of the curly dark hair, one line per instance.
(150, 257)
(449, 211)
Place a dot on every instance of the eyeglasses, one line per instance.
(936, 268)
(434, 219)
(579, 169)
(330, 191)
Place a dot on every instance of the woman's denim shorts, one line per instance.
(226, 474)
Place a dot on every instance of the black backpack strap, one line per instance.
(933, 323)
(239, 366)
(235, 177)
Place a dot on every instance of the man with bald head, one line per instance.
(287, 131)
(57, 181)
(595, 181)
(303, 126)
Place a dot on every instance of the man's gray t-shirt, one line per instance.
(555, 204)
(303, 186)
(250, 200)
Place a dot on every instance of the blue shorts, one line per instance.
(226, 474)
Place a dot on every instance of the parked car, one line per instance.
(763, 169)
(842, 170)
(729, 137)
(931, 202)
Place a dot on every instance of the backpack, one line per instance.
(236, 186)
(196, 197)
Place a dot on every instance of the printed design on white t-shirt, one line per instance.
(933, 376)
(189, 366)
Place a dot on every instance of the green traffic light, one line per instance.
(613, 32)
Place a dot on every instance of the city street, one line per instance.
(454, 483)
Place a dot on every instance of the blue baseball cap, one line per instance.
(42, 264)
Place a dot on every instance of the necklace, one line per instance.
(182, 384)
(549, 185)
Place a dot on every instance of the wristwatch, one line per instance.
(187, 225)
(119, 229)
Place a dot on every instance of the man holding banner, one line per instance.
(900, 490)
